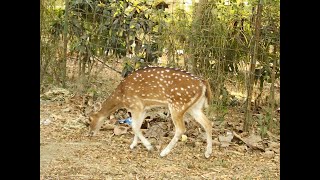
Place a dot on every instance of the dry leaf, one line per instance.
(225, 140)
(155, 131)
(66, 110)
(113, 121)
(55, 117)
(253, 140)
(108, 127)
(268, 154)
(119, 130)
(274, 145)
(215, 142)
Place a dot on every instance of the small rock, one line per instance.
(46, 122)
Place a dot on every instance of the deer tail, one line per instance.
(208, 92)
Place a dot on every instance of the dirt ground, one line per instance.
(66, 153)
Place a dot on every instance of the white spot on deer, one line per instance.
(136, 91)
(162, 71)
(135, 78)
(180, 98)
(175, 77)
(167, 70)
(189, 87)
(182, 89)
(178, 94)
(179, 79)
(149, 70)
(192, 85)
(144, 70)
(156, 77)
(148, 76)
(151, 74)
(194, 92)
(182, 75)
(160, 85)
(118, 97)
(169, 76)
(161, 79)
(172, 90)
(143, 95)
(153, 69)
(155, 86)
(178, 74)
(176, 88)
(158, 72)
(173, 74)
(187, 92)
(197, 87)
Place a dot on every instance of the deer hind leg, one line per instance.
(199, 116)
(137, 119)
(177, 118)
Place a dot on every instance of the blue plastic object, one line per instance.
(126, 121)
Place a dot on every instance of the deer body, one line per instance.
(151, 87)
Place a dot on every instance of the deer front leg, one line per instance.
(137, 119)
(135, 142)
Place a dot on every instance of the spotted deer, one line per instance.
(180, 91)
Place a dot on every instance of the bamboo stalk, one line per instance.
(248, 113)
(65, 43)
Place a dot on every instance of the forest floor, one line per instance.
(67, 153)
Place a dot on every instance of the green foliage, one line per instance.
(113, 27)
